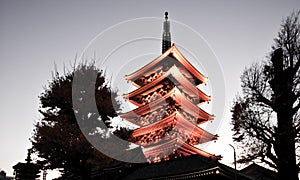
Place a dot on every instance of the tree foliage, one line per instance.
(265, 117)
(58, 140)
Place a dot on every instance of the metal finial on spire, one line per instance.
(166, 38)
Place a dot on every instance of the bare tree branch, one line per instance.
(270, 87)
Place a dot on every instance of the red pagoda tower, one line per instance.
(168, 106)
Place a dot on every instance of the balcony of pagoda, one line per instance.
(163, 85)
(164, 106)
(174, 125)
(173, 149)
(164, 112)
(164, 136)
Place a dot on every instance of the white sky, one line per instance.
(34, 35)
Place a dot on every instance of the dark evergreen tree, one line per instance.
(57, 138)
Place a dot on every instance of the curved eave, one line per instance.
(178, 56)
(179, 145)
(194, 150)
(187, 106)
(181, 123)
(131, 120)
(174, 71)
(191, 108)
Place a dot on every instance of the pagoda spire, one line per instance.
(166, 37)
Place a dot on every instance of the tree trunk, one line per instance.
(284, 98)
(285, 150)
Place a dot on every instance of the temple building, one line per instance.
(168, 112)
(28, 170)
(168, 104)
(169, 116)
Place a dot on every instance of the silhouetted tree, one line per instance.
(57, 138)
(266, 118)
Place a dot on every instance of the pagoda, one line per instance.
(168, 104)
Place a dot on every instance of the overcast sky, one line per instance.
(35, 35)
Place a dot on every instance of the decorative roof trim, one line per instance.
(181, 123)
(174, 71)
(178, 56)
(178, 97)
(178, 145)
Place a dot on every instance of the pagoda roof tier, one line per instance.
(172, 51)
(173, 73)
(178, 97)
(178, 145)
(180, 123)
